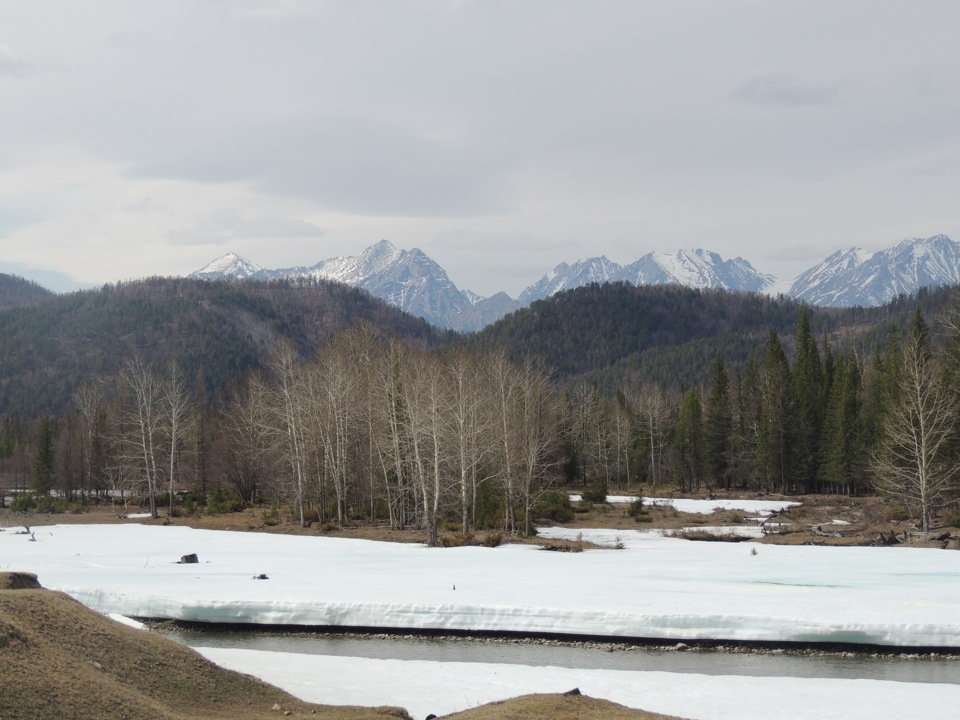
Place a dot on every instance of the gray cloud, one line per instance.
(785, 91)
(10, 65)
(463, 240)
(227, 225)
(342, 164)
(515, 135)
(809, 254)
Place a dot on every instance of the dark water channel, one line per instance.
(764, 663)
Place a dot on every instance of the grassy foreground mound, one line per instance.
(555, 707)
(59, 659)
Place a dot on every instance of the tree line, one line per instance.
(367, 427)
(377, 428)
(823, 421)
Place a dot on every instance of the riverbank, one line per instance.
(599, 644)
(827, 520)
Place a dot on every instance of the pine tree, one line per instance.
(775, 446)
(809, 394)
(718, 426)
(749, 413)
(688, 439)
(43, 465)
(841, 441)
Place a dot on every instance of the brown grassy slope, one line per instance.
(554, 707)
(60, 660)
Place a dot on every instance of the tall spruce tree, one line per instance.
(718, 426)
(43, 465)
(749, 413)
(776, 440)
(688, 440)
(809, 396)
(841, 441)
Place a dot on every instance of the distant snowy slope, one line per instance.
(407, 279)
(415, 283)
(567, 277)
(854, 277)
(229, 267)
(697, 269)
(824, 279)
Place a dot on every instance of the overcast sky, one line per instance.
(148, 138)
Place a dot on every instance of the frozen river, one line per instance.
(595, 656)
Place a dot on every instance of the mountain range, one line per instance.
(415, 283)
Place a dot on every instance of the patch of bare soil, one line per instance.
(60, 660)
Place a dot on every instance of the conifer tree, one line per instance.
(841, 441)
(688, 439)
(718, 426)
(775, 443)
(808, 390)
(43, 466)
(748, 421)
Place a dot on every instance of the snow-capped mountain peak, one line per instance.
(407, 279)
(231, 266)
(855, 277)
(566, 277)
(695, 268)
(414, 282)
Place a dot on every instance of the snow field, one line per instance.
(441, 688)
(656, 587)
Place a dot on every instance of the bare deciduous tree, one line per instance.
(655, 417)
(246, 428)
(141, 438)
(470, 425)
(914, 462)
(536, 435)
(89, 400)
(288, 411)
(176, 403)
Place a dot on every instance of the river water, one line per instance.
(766, 663)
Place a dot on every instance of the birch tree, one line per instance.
(469, 425)
(88, 398)
(176, 404)
(426, 408)
(655, 418)
(334, 392)
(914, 462)
(536, 435)
(142, 426)
(287, 405)
(247, 431)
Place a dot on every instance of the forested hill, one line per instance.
(663, 334)
(17, 292)
(215, 330)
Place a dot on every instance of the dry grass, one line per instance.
(555, 707)
(60, 660)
